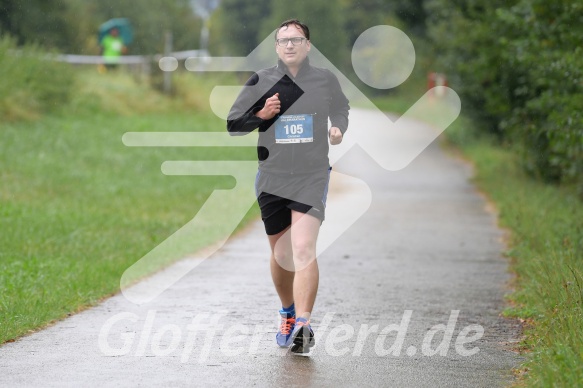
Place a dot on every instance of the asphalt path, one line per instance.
(410, 296)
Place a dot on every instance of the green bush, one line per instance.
(541, 41)
(519, 68)
(31, 83)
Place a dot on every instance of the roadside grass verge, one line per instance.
(29, 85)
(546, 251)
(77, 207)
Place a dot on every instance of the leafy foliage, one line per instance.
(36, 21)
(151, 19)
(241, 24)
(519, 68)
(71, 25)
(518, 64)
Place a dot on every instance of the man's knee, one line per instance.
(284, 258)
(304, 252)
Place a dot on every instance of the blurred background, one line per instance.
(516, 64)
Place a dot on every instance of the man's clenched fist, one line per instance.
(271, 108)
(335, 135)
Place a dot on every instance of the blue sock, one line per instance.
(290, 311)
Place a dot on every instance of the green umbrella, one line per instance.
(124, 27)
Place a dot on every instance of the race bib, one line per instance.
(294, 129)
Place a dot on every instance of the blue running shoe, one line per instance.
(286, 327)
(302, 337)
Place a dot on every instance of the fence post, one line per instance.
(167, 51)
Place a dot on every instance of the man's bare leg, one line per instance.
(281, 256)
(304, 233)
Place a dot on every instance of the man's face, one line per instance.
(289, 54)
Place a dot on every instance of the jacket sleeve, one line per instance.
(338, 105)
(241, 119)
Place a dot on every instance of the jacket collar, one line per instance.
(283, 67)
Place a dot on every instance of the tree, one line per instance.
(241, 24)
(151, 19)
(413, 14)
(71, 25)
(462, 35)
(519, 68)
(362, 15)
(35, 21)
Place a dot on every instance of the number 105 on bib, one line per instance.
(291, 129)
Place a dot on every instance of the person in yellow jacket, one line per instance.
(112, 48)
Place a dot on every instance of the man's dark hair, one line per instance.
(296, 22)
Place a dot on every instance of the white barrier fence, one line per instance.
(141, 64)
(126, 59)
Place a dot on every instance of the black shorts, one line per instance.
(278, 195)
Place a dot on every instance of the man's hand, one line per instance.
(271, 108)
(335, 135)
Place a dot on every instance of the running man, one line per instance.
(291, 103)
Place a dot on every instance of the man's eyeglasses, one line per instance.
(295, 41)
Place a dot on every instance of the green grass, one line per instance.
(29, 85)
(546, 251)
(77, 207)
